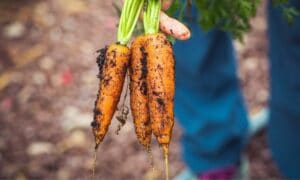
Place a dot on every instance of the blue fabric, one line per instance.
(208, 101)
(209, 105)
(284, 127)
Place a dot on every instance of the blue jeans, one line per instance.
(284, 126)
(209, 105)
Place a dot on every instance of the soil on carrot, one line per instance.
(48, 85)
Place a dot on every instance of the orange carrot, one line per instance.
(113, 62)
(161, 82)
(138, 92)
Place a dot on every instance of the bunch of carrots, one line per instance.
(150, 64)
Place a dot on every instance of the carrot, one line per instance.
(113, 62)
(152, 90)
(160, 79)
(161, 82)
(138, 92)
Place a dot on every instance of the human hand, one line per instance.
(172, 26)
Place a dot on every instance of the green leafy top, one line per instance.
(151, 16)
(129, 16)
(232, 16)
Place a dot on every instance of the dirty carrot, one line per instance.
(160, 78)
(139, 92)
(161, 82)
(113, 61)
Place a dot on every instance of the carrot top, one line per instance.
(129, 16)
(151, 16)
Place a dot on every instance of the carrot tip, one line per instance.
(165, 148)
(97, 143)
(96, 146)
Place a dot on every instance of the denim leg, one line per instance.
(208, 101)
(284, 126)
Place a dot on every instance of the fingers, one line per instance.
(173, 27)
(170, 25)
(166, 4)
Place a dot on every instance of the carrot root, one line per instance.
(113, 62)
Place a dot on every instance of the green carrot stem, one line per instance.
(129, 16)
(151, 16)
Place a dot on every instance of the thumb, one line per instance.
(173, 27)
(166, 4)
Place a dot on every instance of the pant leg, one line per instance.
(208, 101)
(284, 127)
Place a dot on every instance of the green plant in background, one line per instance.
(229, 15)
(232, 16)
(289, 12)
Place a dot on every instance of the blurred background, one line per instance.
(48, 86)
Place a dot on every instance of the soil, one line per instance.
(48, 85)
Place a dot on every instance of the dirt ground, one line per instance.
(48, 86)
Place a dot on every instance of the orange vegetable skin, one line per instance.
(113, 62)
(161, 82)
(138, 92)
